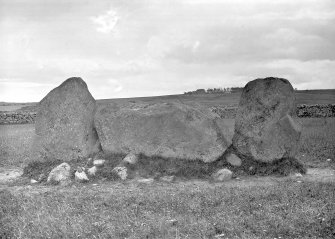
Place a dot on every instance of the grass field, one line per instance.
(4, 106)
(178, 210)
(185, 209)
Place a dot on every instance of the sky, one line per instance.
(132, 48)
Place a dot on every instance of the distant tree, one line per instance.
(200, 91)
(236, 89)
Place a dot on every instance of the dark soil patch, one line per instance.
(155, 166)
(281, 167)
(158, 166)
(36, 168)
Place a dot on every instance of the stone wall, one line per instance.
(327, 110)
(17, 117)
(311, 111)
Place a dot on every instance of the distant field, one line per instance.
(4, 106)
(311, 97)
(303, 97)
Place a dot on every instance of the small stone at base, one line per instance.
(146, 180)
(33, 181)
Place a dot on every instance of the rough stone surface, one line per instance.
(173, 130)
(60, 174)
(222, 175)
(234, 160)
(264, 128)
(80, 176)
(131, 159)
(64, 123)
(121, 172)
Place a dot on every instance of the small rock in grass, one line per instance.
(92, 171)
(168, 179)
(172, 222)
(80, 176)
(223, 175)
(234, 160)
(145, 180)
(131, 158)
(120, 171)
(298, 175)
(220, 235)
(328, 160)
(99, 162)
(60, 174)
(33, 181)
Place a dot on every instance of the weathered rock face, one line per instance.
(121, 172)
(64, 123)
(264, 129)
(130, 159)
(163, 129)
(60, 174)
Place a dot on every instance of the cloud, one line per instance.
(16, 90)
(116, 85)
(164, 47)
(106, 22)
(195, 46)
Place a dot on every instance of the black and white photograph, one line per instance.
(181, 119)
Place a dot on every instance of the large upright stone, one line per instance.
(168, 130)
(264, 128)
(64, 123)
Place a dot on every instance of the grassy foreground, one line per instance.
(190, 209)
(114, 210)
(317, 142)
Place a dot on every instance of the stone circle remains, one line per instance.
(70, 127)
(264, 128)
